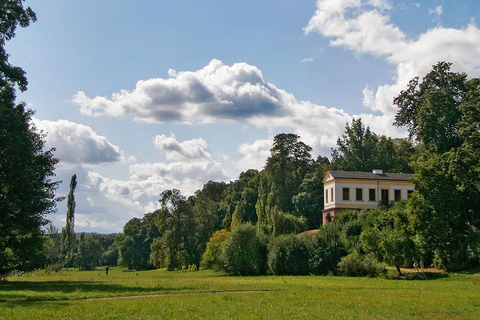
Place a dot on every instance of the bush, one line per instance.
(212, 257)
(357, 265)
(328, 248)
(245, 251)
(289, 254)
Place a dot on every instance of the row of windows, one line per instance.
(372, 194)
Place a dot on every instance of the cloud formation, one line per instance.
(190, 166)
(365, 27)
(215, 93)
(78, 144)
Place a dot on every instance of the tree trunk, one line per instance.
(398, 269)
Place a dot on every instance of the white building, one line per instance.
(355, 190)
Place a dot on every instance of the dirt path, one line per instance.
(159, 295)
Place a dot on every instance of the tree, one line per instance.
(360, 149)
(245, 251)
(177, 245)
(441, 114)
(289, 162)
(26, 191)
(391, 237)
(70, 224)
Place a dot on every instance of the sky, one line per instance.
(139, 97)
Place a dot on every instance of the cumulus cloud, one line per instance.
(215, 93)
(190, 166)
(78, 144)
(235, 93)
(365, 27)
(254, 155)
(178, 151)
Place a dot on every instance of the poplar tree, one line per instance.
(69, 227)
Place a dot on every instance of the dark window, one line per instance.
(398, 195)
(385, 197)
(331, 195)
(359, 194)
(346, 193)
(326, 196)
(372, 195)
(409, 193)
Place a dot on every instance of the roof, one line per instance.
(370, 175)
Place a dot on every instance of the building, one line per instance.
(355, 190)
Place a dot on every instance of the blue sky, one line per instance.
(143, 96)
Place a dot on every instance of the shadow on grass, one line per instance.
(420, 276)
(11, 291)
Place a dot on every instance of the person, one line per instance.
(421, 265)
(415, 265)
(106, 270)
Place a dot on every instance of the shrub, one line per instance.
(212, 257)
(328, 247)
(245, 251)
(357, 265)
(289, 254)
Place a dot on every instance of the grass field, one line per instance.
(159, 294)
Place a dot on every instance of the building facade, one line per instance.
(355, 190)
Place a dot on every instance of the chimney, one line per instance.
(378, 171)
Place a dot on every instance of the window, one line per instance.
(359, 194)
(331, 195)
(326, 196)
(398, 195)
(372, 195)
(346, 193)
(409, 193)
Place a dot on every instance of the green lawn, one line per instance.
(210, 295)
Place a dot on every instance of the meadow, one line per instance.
(158, 294)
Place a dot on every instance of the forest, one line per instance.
(267, 220)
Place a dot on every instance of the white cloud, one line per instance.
(306, 60)
(437, 12)
(254, 155)
(364, 27)
(215, 93)
(178, 151)
(78, 144)
(190, 168)
(237, 93)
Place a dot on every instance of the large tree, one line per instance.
(26, 190)
(360, 149)
(442, 114)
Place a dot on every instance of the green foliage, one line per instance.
(89, 252)
(329, 247)
(360, 149)
(245, 251)
(212, 257)
(442, 115)
(134, 243)
(70, 221)
(289, 254)
(357, 265)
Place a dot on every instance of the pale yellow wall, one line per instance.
(338, 184)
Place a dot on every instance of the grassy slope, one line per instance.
(61, 297)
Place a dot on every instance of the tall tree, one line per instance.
(26, 191)
(441, 114)
(360, 149)
(289, 162)
(70, 223)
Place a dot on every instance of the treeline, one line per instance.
(286, 197)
